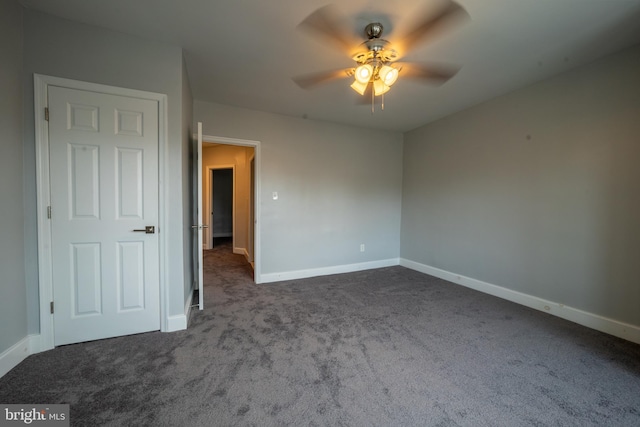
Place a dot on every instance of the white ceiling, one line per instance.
(243, 53)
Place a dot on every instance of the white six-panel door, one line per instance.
(198, 273)
(104, 186)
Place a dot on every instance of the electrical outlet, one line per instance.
(362, 247)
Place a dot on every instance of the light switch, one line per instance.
(275, 195)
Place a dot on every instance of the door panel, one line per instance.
(198, 258)
(129, 181)
(104, 185)
(130, 276)
(85, 279)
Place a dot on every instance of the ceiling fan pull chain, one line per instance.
(372, 101)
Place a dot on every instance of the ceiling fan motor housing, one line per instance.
(375, 49)
(373, 30)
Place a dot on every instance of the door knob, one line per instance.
(149, 229)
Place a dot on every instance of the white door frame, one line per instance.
(209, 192)
(41, 84)
(252, 211)
(257, 272)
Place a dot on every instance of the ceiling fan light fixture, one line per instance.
(364, 73)
(388, 75)
(359, 87)
(379, 87)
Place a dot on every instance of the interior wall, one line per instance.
(13, 318)
(225, 155)
(338, 187)
(62, 48)
(537, 191)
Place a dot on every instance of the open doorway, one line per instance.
(228, 199)
(222, 201)
(245, 159)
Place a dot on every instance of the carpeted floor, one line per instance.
(386, 347)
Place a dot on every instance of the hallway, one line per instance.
(223, 268)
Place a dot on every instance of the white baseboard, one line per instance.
(176, 323)
(325, 271)
(252, 263)
(180, 322)
(35, 344)
(239, 251)
(594, 321)
(11, 357)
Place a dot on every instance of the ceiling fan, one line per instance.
(376, 68)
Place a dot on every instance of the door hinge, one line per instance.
(49, 212)
(46, 113)
(51, 306)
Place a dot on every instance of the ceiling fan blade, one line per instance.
(328, 23)
(428, 73)
(432, 23)
(308, 81)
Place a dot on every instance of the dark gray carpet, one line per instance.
(385, 347)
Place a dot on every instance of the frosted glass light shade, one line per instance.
(379, 87)
(359, 87)
(364, 73)
(388, 75)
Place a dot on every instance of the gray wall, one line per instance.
(13, 318)
(537, 191)
(62, 48)
(338, 187)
